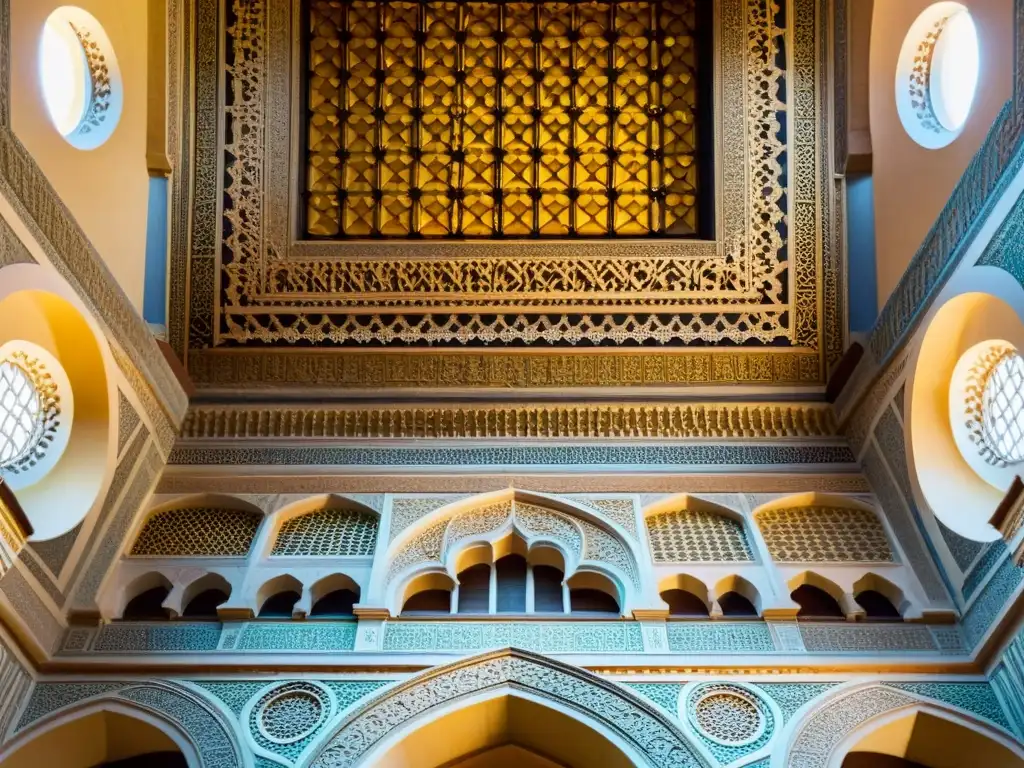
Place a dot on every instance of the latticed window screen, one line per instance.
(198, 532)
(334, 532)
(501, 119)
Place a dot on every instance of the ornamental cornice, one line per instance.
(527, 420)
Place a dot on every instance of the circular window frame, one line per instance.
(291, 690)
(967, 394)
(919, 99)
(45, 372)
(102, 93)
(709, 690)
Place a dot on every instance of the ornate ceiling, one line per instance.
(257, 303)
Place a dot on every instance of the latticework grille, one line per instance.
(1003, 409)
(696, 537)
(337, 532)
(198, 532)
(29, 411)
(824, 535)
(501, 119)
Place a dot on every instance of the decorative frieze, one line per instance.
(678, 421)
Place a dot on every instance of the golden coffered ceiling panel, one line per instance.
(348, 165)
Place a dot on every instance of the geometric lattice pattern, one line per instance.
(728, 717)
(824, 535)
(495, 119)
(1003, 410)
(291, 715)
(328, 532)
(198, 532)
(688, 536)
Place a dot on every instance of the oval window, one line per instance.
(937, 74)
(80, 79)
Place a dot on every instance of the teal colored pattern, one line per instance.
(235, 695)
(989, 604)
(542, 637)
(350, 693)
(985, 564)
(286, 636)
(726, 754)
(791, 696)
(977, 698)
(49, 697)
(719, 637)
(665, 695)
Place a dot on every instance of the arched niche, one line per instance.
(325, 525)
(616, 727)
(144, 589)
(476, 530)
(689, 529)
(855, 532)
(108, 735)
(926, 738)
(203, 525)
(825, 731)
(198, 729)
(873, 583)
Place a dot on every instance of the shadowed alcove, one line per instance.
(507, 731)
(100, 740)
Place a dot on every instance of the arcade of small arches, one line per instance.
(516, 554)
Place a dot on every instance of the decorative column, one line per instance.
(14, 528)
(530, 596)
(492, 592)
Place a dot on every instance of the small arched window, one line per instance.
(816, 603)
(148, 606)
(735, 605)
(429, 602)
(547, 589)
(475, 589)
(511, 578)
(592, 601)
(335, 604)
(205, 604)
(683, 603)
(279, 605)
(877, 607)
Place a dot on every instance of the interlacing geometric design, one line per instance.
(686, 536)
(728, 715)
(994, 394)
(290, 713)
(29, 412)
(817, 534)
(328, 532)
(198, 532)
(497, 119)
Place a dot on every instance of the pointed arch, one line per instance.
(649, 737)
(199, 729)
(433, 544)
(821, 732)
